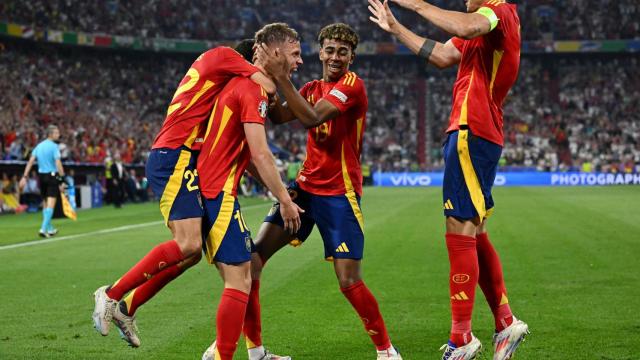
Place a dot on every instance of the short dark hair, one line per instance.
(276, 33)
(245, 48)
(339, 31)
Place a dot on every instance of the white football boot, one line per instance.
(389, 355)
(467, 352)
(210, 353)
(103, 310)
(127, 326)
(260, 353)
(507, 341)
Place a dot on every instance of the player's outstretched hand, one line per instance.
(382, 15)
(275, 63)
(290, 213)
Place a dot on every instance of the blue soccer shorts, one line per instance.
(339, 219)
(225, 235)
(470, 169)
(173, 178)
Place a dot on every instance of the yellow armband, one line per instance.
(490, 15)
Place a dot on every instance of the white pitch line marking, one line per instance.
(98, 232)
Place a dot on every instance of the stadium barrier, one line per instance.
(395, 179)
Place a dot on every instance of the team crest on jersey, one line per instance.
(262, 108)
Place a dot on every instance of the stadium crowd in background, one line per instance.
(552, 115)
(542, 19)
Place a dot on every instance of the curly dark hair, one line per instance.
(276, 33)
(339, 31)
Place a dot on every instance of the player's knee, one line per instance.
(346, 280)
(190, 246)
(239, 283)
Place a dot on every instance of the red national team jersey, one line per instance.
(225, 154)
(193, 100)
(332, 166)
(488, 68)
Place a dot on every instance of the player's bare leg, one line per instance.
(348, 272)
(188, 234)
(271, 238)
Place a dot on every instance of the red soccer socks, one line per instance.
(229, 320)
(166, 254)
(463, 278)
(366, 306)
(150, 288)
(252, 324)
(492, 282)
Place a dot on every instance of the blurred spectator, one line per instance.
(117, 181)
(136, 189)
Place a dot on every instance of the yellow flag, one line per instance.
(66, 208)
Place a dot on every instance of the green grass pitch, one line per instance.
(570, 257)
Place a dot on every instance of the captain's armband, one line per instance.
(490, 15)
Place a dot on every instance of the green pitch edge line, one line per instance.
(98, 232)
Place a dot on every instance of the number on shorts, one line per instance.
(191, 175)
(243, 225)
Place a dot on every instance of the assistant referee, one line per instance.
(51, 173)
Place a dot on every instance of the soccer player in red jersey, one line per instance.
(486, 46)
(329, 185)
(235, 138)
(173, 177)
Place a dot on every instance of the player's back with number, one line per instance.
(193, 100)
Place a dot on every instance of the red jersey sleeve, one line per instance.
(304, 91)
(253, 102)
(233, 64)
(348, 92)
(458, 43)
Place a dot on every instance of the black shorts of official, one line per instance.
(49, 186)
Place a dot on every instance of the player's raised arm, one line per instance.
(438, 54)
(464, 25)
(262, 159)
(296, 106)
